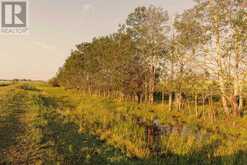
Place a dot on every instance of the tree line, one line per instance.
(198, 56)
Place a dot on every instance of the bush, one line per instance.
(28, 87)
(54, 82)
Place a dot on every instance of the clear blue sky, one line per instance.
(57, 25)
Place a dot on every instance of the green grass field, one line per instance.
(40, 124)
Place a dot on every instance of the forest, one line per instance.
(195, 58)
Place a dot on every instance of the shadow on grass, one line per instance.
(204, 156)
(73, 147)
(11, 127)
(66, 145)
(76, 148)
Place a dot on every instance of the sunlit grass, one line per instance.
(57, 125)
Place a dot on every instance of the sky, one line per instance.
(56, 26)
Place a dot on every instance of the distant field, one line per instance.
(46, 125)
(5, 83)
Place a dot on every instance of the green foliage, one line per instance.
(54, 82)
(202, 57)
(28, 87)
(119, 63)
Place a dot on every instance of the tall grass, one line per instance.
(199, 139)
(46, 125)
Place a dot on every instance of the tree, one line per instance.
(147, 27)
(224, 51)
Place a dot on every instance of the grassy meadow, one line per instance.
(167, 87)
(40, 124)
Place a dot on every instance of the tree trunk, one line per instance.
(211, 112)
(224, 103)
(172, 85)
(241, 102)
(196, 105)
(179, 101)
(235, 106)
(139, 97)
(152, 84)
(221, 69)
(203, 104)
(162, 97)
(146, 95)
(170, 101)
